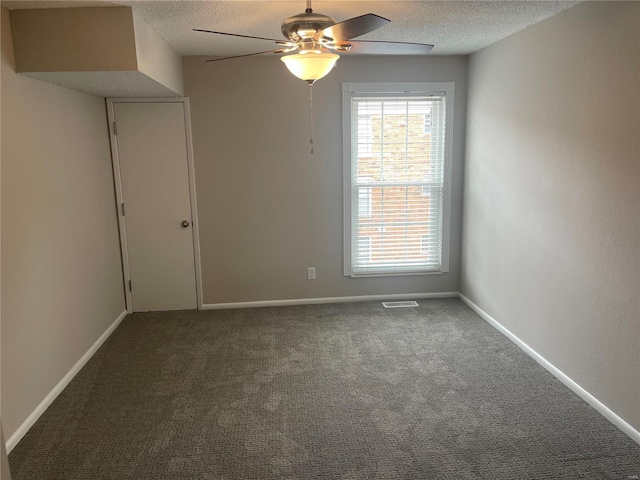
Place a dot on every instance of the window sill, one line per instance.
(398, 274)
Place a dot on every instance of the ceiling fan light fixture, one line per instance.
(310, 66)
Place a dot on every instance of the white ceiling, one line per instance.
(454, 27)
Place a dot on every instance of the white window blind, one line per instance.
(397, 183)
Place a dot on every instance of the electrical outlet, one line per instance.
(311, 273)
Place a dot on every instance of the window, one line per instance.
(427, 122)
(364, 244)
(364, 199)
(397, 160)
(424, 244)
(365, 134)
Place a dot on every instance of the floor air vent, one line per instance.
(400, 304)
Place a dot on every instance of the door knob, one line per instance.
(184, 224)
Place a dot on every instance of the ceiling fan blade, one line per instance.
(238, 35)
(352, 28)
(281, 50)
(373, 47)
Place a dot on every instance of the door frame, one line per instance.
(117, 180)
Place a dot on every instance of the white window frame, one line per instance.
(412, 88)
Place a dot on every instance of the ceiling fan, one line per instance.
(315, 35)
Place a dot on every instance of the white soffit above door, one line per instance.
(107, 84)
(454, 27)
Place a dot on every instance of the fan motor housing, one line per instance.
(304, 25)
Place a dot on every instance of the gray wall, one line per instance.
(268, 209)
(61, 270)
(5, 474)
(552, 199)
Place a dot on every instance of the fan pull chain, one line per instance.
(311, 114)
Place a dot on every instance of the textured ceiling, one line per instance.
(454, 27)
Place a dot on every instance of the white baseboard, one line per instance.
(573, 386)
(314, 301)
(48, 400)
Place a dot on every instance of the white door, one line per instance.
(152, 156)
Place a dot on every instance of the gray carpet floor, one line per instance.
(346, 391)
